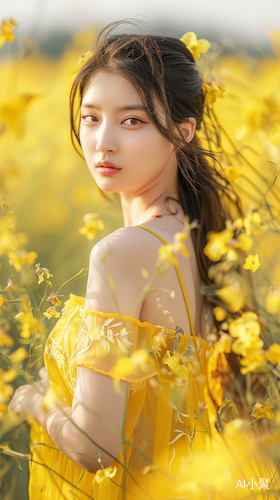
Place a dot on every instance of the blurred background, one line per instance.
(48, 186)
(248, 20)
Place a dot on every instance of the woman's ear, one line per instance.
(188, 129)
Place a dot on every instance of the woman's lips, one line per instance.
(107, 168)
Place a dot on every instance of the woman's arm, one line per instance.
(95, 420)
(93, 423)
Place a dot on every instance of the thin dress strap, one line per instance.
(181, 285)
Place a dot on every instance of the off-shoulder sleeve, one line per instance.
(117, 346)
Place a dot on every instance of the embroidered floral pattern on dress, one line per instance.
(106, 335)
(56, 351)
(134, 387)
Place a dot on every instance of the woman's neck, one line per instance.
(137, 210)
(139, 206)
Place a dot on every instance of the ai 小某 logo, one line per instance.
(263, 483)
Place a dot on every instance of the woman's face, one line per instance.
(123, 149)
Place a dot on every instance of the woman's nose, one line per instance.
(106, 140)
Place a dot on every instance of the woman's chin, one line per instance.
(108, 189)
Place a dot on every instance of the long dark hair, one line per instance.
(164, 73)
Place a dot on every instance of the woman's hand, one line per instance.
(44, 379)
(28, 399)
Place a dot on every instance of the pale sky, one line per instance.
(250, 19)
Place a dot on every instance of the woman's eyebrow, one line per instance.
(138, 107)
(131, 107)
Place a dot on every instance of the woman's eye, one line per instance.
(132, 121)
(89, 119)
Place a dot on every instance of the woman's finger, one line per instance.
(44, 383)
(43, 373)
(15, 405)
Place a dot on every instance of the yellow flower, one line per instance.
(166, 256)
(252, 262)
(92, 225)
(232, 173)
(10, 285)
(195, 46)
(166, 252)
(178, 363)
(50, 399)
(12, 112)
(247, 330)
(6, 390)
(253, 362)
(238, 223)
(260, 411)
(84, 58)
(5, 339)
(252, 222)
(232, 255)
(105, 474)
(7, 238)
(230, 404)
(3, 409)
(51, 312)
(43, 274)
(223, 344)
(6, 31)
(273, 353)
(219, 313)
(18, 355)
(53, 299)
(232, 296)
(217, 245)
(19, 260)
(261, 114)
(272, 302)
(201, 408)
(179, 246)
(1, 300)
(10, 375)
(29, 323)
(126, 365)
(211, 92)
(244, 242)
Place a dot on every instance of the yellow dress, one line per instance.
(159, 412)
(169, 419)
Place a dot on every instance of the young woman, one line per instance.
(132, 406)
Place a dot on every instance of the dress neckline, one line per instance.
(80, 301)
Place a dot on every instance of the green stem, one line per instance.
(80, 274)
(42, 300)
(265, 277)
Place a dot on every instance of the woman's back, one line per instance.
(140, 290)
(156, 305)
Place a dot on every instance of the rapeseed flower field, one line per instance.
(52, 211)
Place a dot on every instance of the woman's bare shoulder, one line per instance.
(127, 241)
(116, 265)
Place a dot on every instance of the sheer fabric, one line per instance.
(169, 451)
(162, 428)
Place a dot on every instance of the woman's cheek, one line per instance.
(141, 147)
(86, 138)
